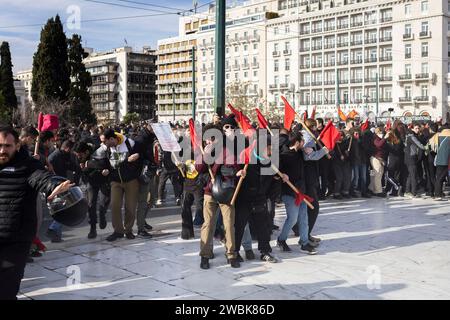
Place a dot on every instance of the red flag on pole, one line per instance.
(263, 124)
(193, 134)
(305, 115)
(289, 114)
(246, 154)
(236, 112)
(243, 121)
(40, 121)
(50, 122)
(365, 125)
(313, 113)
(329, 135)
(341, 114)
(388, 125)
(300, 197)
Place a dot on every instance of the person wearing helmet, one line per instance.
(21, 179)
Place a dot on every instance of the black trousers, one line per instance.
(13, 258)
(411, 182)
(260, 222)
(430, 175)
(441, 174)
(105, 199)
(343, 174)
(324, 172)
(174, 177)
(189, 198)
(312, 213)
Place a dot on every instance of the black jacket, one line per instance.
(292, 164)
(20, 181)
(146, 139)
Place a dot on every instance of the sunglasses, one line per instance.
(228, 126)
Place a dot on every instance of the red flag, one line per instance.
(305, 115)
(289, 114)
(243, 121)
(365, 125)
(246, 154)
(261, 120)
(50, 122)
(38, 243)
(40, 121)
(299, 197)
(341, 114)
(236, 112)
(313, 113)
(193, 135)
(329, 135)
(388, 125)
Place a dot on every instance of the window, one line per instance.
(286, 29)
(255, 46)
(425, 49)
(275, 47)
(424, 6)
(424, 90)
(408, 51)
(245, 74)
(408, 9)
(424, 27)
(276, 80)
(255, 73)
(407, 91)
(212, 53)
(408, 29)
(407, 69)
(275, 65)
(275, 31)
(236, 49)
(245, 47)
(236, 75)
(424, 67)
(287, 64)
(287, 46)
(227, 50)
(227, 76)
(286, 79)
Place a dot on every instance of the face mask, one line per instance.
(229, 133)
(380, 135)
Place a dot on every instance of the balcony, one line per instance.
(342, 62)
(342, 44)
(255, 65)
(329, 45)
(211, 69)
(386, 78)
(304, 66)
(317, 30)
(316, 65)
(304, 49)
(276, 53)
(370, 60)
(405, 77)
(357, 24)
(356, 61)
(425, 34)
(342, 26)
(304, 32)
(305, 84)
(343, 81)
(405, 99)
(287, 52)
(356, 80)
(356, 43)
(246, 66)
(422, 76)
(371, 21)
(329, 82)
(385, 19)
(316, 83)
(385, 58)
(329, 28)
(424, 54)
(329, 64)
(273, 87)
(318, 47)
(370, 40)
(316, 102)
(204, 70)
(370, 79)
(385, 99)
(408, 36)
(422, 99)
(386, 39)
(236, 67)
(284, 85)
(407, 55)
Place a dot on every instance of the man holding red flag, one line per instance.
(292, 164)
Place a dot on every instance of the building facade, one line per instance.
(123, 82)
(380, 57)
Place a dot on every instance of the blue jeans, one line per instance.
(359, 180)
(247, 239)
(57, 227)
(295, 213)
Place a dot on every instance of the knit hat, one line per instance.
(230, 119)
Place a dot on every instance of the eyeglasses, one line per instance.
(228, 126)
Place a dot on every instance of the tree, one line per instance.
(238, 94)
(80, 101)
(4, 116)
(131, 117)
(6, 80)
(51, 78)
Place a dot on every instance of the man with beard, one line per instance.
(21, 178)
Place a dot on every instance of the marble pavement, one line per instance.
(372, 249)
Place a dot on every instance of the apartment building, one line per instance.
(25, 77)
(123, 82)
(367, 55)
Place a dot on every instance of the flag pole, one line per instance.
(238, 187)
(311, 134)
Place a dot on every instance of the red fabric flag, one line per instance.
(341, 114)
(261, 120)
(329, 135)
(38, 243)
(388, 125)
(289, 114)
(246, 154)
(193, 134)
(313, 113)
(243, 121)
(40, 121)
(305, 115)
(299, 197)
(50, 122)
(365, 125)
(352, 114)
(236, 112)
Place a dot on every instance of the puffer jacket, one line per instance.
(20, 181)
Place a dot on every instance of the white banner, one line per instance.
(165, 136)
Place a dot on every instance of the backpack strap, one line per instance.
(127, 143)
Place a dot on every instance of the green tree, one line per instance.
(80, 101)
(4, 115)
(51, 78)
(131, 117)
(6, 80)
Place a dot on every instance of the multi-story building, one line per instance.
(26, 78)
(376, 55)
(123, 82)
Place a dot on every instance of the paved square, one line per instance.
(371, 249)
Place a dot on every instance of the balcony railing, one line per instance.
(356, 80)
(356, 43)
(304, 32)
(284, 85)
(405, 99)
(356, 61)
(304, 49)
(287, 52)
(407, 55)
(276, 53)
(329, 64)
(305, 66)
(425, 54)
(370, 79)
(422, 76)
(371, 60)
(273, 86)
(343, 81)
(342, 26)
(386, 78)
(329, 82)
(386, 39)
(305, 84)
(329, 45)
(385, 58)
(385, 19)
(316, 65)
(405, 77)
(425, 34)
(316, 30)
(370, 40)
(422, 99)
(342, 44)
(255, 65)
(385, 99)
(357, 24)
(408, 36)
(342, 62)
(316, 83)
(317, 47)
(329, 28)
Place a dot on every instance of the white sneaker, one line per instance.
(159, 202)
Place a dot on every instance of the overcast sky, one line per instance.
(100, 35)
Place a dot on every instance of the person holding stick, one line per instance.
(292, 164)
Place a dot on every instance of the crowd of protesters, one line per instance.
(124, 169)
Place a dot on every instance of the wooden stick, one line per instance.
(270, 131)
(312, 135)
(238, 187)
(209, 167)
(178, 166)
(36, 146)
(309, 204)
(350, 146)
